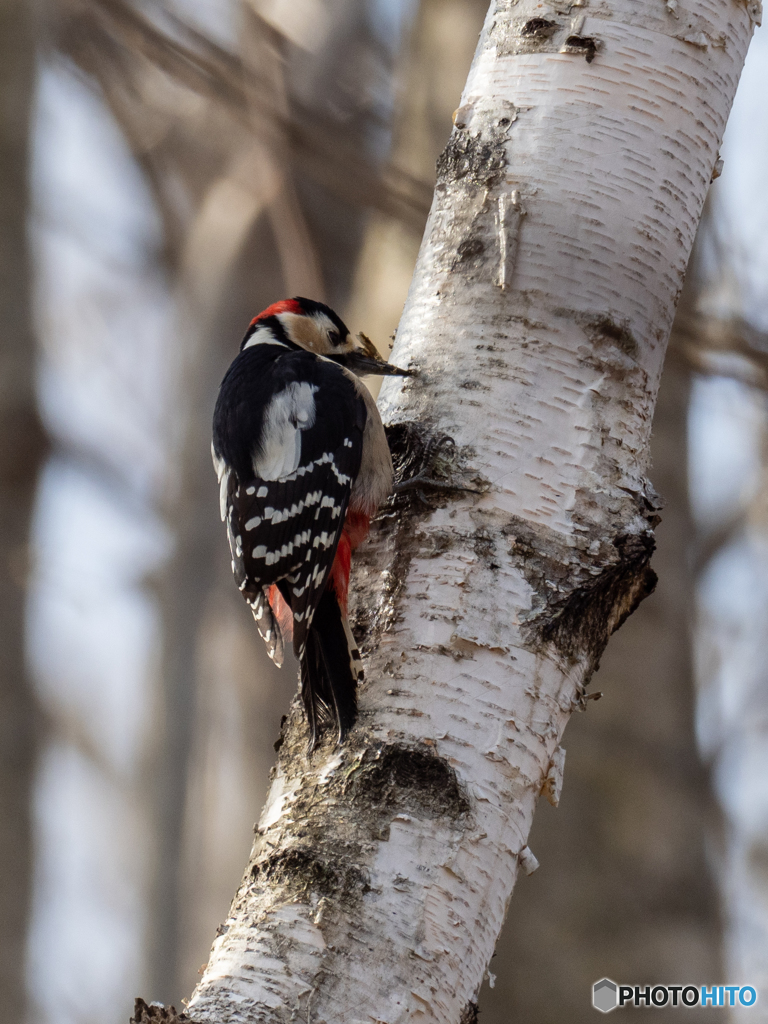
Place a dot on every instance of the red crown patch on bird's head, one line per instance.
(284, 306)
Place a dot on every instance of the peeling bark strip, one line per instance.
(381, 871)
(152, 1013)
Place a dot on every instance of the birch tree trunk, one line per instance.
(563, 217)
(626, 888)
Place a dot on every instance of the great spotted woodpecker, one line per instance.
(303, 463)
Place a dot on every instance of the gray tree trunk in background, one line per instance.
(432, 71)
(22, 448)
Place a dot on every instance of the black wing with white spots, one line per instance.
(292, 415)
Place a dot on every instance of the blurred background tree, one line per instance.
(22, 450)
(189, 164)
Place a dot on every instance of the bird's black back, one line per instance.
(287, 529)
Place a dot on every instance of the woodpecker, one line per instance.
(303, 463)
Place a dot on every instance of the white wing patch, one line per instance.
(289, 412)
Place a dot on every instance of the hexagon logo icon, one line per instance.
(605, 995)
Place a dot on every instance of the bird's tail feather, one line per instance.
(268, 622)
(330, 670)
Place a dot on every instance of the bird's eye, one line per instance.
(334, 337)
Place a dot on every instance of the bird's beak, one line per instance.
(366, 360)
(361, 364)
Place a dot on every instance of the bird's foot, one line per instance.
(430, 483)
(439, 458)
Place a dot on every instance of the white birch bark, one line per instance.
(564, 214)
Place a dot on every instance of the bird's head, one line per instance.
(315, 327)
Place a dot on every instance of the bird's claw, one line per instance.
(415, 483)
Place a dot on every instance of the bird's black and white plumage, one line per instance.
(303, 463)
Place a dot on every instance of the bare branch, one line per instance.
(96, 32)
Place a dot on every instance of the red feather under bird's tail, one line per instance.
(281, 611)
